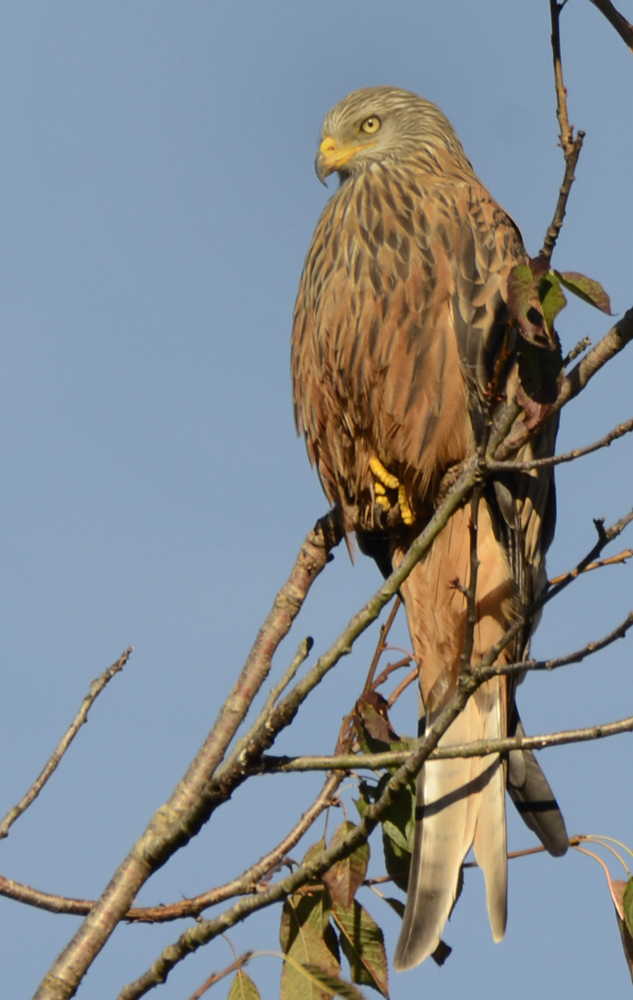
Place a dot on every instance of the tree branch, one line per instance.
(617, 21)
(611, 344)
(96, 688)
(205, 931)
(478, 748)
(571, 146)
(568, 456)
(182, 816)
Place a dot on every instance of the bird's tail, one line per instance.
(460, 802)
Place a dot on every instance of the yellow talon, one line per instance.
(382, 475)
(405, 507)
(386, 481)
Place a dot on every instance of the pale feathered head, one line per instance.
(378, 124)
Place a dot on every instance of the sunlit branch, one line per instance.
(188, 808)
(478, 748)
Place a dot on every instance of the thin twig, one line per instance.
(275, 693)
(615, 560)
(487, 666)
(215, 977)
(616, 20)
(471, 591)
(390, 669)
(205, 931)
(567, 456)
(182, 816)
(571, 146)
(477, 748)
(382, 644)
(411, 678)
(607, 348)
(580, 348)
(96, 688)
(248, 882)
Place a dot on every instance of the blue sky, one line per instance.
(157, 197)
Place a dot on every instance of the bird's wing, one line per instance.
(462, 802)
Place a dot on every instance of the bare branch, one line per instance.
(96, 688)
(615, 560)
(568, 456)
(215, 977)
(382, 645)
(411, 678)
(487, 667)
(181, 817)
(571, 146)
(205, 931)
(502, 446)
(478, 748)
(562, 661)
(580, 348)
(611, 344)
(247, 882)
(616, 20)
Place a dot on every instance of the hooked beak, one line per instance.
(332, 157)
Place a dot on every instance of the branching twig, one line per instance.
(205, 931)
(567, 456)
(611, 344)
(182, 816)
(96, 688)
(382, 644)
(411, 678)
(245, 883)
(615, 560)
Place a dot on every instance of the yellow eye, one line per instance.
(370, 125)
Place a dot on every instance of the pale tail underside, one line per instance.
(461, 802)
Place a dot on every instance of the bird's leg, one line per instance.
(383, 481)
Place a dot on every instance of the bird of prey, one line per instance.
(400, 327)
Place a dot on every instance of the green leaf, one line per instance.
(314, 977)
(346, 876)
(243, 988)
(363, 944)
(307, 937)
(306, 931)
(586, 289)
(551, 298)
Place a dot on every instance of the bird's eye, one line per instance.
(370, 125)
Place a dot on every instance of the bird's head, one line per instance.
(376, 124)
